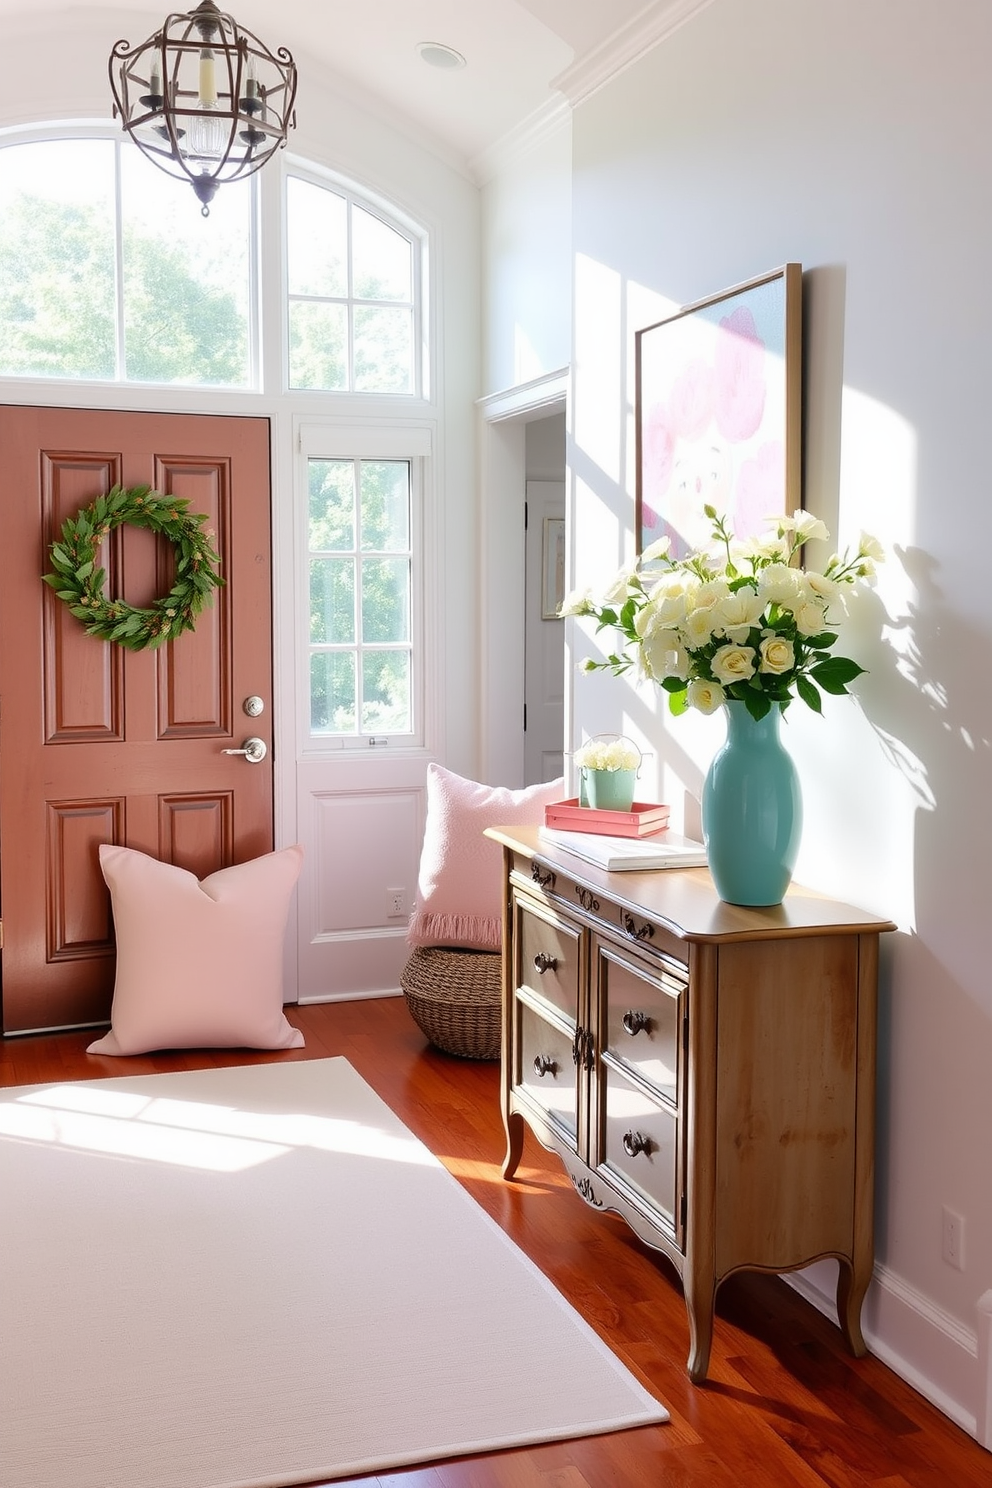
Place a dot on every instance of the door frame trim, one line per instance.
(503, 419)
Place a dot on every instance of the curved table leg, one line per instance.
(699, 1303)
(852, 1284)
(514, 1124)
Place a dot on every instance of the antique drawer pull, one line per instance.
(583, 1051)
(544, 1065)
(635, 1022)
(543, 962)
(635, 1142)
(587, 1055)
(543, 880)
(631, 928)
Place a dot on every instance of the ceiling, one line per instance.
(522, 57)
(513, 51)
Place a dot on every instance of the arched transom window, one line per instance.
(109, 274)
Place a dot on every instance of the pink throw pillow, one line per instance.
(199, 965)
(459, 887)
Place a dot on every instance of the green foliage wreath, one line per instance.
(78, 581)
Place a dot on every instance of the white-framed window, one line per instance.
(104, 278)
(364, 584)
(109, 273)
(354, 291)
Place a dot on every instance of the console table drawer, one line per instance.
(547, 957)
(544, 1068)
(640, 1143)
(644, 1013)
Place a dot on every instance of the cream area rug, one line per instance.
(259, 1276)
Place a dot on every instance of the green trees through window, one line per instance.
(108, 273)
(351, 295)
(360, 552)
(166, 300)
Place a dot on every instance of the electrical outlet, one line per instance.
(396, 903)
(952, 1244)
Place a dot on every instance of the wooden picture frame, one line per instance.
(552, 567)
(718, 410)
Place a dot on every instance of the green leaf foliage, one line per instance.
(835, 673)
(81, 587)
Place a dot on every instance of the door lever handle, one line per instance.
(254, 750)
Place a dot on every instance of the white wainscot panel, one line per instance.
(362, 851)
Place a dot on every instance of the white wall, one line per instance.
(852, 136)
(527, 300)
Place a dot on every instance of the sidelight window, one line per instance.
(361, 641)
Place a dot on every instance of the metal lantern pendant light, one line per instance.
(204, 99)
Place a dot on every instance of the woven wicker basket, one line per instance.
(455, 998)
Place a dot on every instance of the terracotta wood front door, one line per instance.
(99, 744)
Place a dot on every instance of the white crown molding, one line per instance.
(526, 399)
(542, 125)
(649, 27)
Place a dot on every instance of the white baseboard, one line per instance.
(984, 1432)
(360, 996)
(932, 1351)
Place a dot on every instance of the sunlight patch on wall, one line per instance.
(884, 780)
(878, 482)
(599, 364)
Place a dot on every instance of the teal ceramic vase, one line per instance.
(609, 790)
(752, 811)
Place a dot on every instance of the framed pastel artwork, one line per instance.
(719, 413)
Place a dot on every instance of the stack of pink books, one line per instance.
(642, 820)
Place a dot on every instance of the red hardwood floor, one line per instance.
(785, 1405)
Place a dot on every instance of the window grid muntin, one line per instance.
(57, 133)
(361, 648)
(413, 306)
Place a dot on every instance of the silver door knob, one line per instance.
(253, 705)
(254, 751)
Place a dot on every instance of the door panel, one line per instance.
(98, 744)
(84, 682)
(544, 644)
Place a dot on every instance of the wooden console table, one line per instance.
(705, 1070)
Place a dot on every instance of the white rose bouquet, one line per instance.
(738, 622)
(608, 754)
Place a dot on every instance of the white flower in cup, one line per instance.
(608, 754)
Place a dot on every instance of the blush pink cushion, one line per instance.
(459, 887)
(199, 965)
